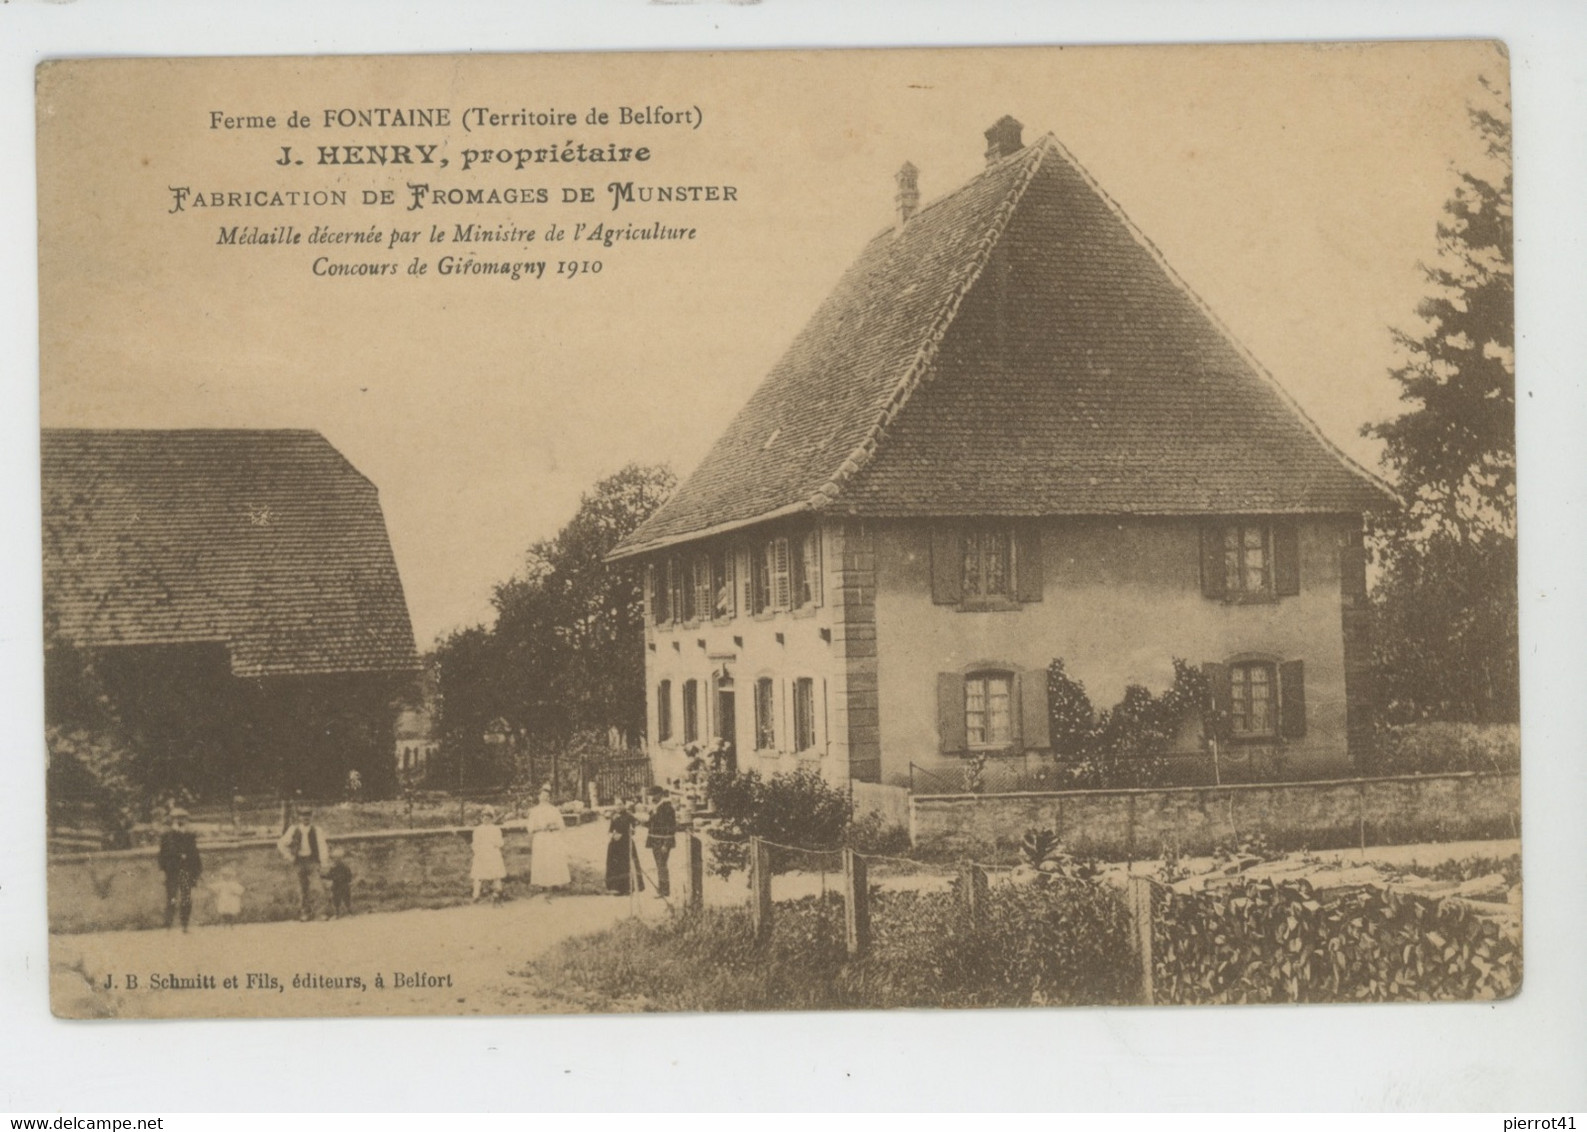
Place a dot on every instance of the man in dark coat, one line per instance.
(660, 837)
(179, 862)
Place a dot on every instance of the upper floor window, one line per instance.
(986, 565)
(785, 573)
(1250, 560)
(722, 583)
(804, 714)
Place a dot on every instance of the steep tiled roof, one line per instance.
(269, 542)
(1015, 348)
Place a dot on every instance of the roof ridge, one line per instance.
(1207, 312)
(914, 373)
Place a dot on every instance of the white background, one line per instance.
(1528, 1055)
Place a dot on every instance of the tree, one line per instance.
(566, 654)
(1445, 608)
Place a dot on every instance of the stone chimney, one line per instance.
(1003, 138)
(908, 198)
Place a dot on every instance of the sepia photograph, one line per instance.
(779, 531)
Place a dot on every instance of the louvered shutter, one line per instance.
(1212, 561)
(1292, 699)
(1221, 726)
(947, 566)
(1353, 570)
(781, 575)
(1286, 559)
(1027, 562)
(950, 712)
(1033, 717)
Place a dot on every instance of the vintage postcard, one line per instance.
(779, 530)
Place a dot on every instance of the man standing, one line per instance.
(660, 836)
(303, 847)
(179, 862)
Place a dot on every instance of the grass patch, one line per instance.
(1065, 943)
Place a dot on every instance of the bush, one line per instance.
(1066, 942)
(1443, 748)
(799, 808)
(1127, 745)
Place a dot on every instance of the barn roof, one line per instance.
(1108, 387)
(266, 541)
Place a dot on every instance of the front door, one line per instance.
(727, 727)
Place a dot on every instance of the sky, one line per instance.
(1295, 188)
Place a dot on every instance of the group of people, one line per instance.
(548, 857)
(179, 861)
(305, 848)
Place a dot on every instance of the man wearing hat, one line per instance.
(303, 847)
(660, 833)
(179, 862)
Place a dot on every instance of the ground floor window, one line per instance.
(765, 715)
(1251, 700)
(988, 709)
(691, 711)
(804, 714)
(664, 711)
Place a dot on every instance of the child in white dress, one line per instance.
(489, 869)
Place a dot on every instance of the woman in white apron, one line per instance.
(548, 860)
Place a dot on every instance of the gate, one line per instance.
(621, 778)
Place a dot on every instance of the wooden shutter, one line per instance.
(1027, 563)
(950, 712)
(1353, 569)
(812, 564)
(781, 575)
(1033, 718)
(1292, 699)
(1212, 561)
(947, 568)
(1221, 726)
(1286, 559)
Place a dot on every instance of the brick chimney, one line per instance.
(908, 198)
(1003, 138)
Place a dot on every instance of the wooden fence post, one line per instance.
(856, 905)
(1140, 905)
(693, 851)
(760, 887)
(972, 880)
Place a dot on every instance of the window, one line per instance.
(765, 715)
(660, 612)
(804, 714)
(698, 600)
(675, 588)
(807, 570)
(987, 567)
(1246, 559)
(983, 567)
(1252, 700)
(1250, 560)
(722, 583)
(989, 709)
(664, 711)
(691, 711)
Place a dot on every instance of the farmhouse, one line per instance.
(1010, 434)
(236, 596)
